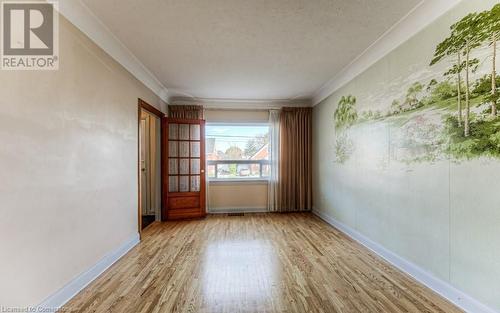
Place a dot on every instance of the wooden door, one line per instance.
(184, 164)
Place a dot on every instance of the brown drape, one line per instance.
(295, 170)
(192, 112)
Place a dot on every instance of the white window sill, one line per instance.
(239, 181)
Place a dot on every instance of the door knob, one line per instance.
(202, 171)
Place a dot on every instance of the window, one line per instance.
(237, 151)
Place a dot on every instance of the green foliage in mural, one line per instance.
(343, 148)
(484, 138)
(490, 33)
(431, 84)
(345, 115)
(456, 117)
(443, 91)
(411, 100)
(482, 86)
(395, 107)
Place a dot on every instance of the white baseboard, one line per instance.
(443, 288)
(71, 289)
(236, 210)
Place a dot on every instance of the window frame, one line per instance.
(238, 180)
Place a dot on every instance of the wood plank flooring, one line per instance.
(253, 263)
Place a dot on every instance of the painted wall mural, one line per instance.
(450, 113)
(407, 153)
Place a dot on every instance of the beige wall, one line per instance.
(382, 178)
(231, 195)
(245, 196)
(68, 164)
(237, 116)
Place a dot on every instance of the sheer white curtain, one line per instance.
(274, 151)
(207, 183)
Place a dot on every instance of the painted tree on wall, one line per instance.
(483, 136)
(395, 107)
(449, 47)
(345, 115)
(461, 41)
(425, 126)
(412, 95)
(466, 29)
(490, 26)
(467, 34)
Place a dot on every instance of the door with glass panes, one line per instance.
(184, 188)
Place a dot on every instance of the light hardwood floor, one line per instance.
(253, 263)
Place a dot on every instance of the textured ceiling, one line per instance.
(247, 49)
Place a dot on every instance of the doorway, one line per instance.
(149, 165)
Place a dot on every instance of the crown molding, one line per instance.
(85, 20)
(412, 23)
(241, 104)
(417, 19)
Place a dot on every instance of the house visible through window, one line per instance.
(237, 152)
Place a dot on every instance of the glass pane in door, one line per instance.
(183, 183)
(184, 166)
(184, 149)
(195, 183)
(195, 132)
(184, 132)
(173, 167)
(195, 166)
(173, 184)
(172, 148)
(195, 149)
(173, 131)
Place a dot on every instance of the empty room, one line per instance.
(243, 156)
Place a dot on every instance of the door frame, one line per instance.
(143, 105)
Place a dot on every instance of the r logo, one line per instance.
(28, 29)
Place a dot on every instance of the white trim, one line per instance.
(443, 288)
(263, 123)
(239, 104)
(85, 20)
(222, 122)
(236, 210)
(238, 181)
(71, 289)
(416, 20)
